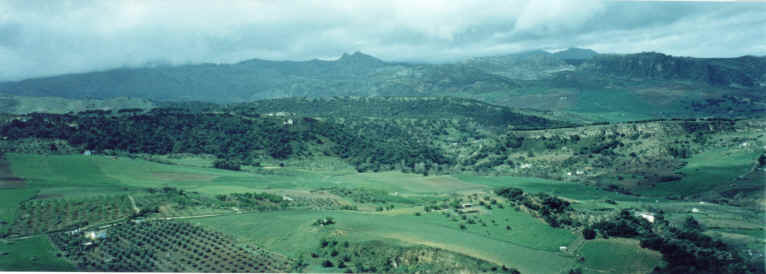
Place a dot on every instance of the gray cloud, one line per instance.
(39, 38)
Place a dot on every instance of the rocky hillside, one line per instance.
(746, 71)
(531, 65)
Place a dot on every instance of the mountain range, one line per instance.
(574, 82)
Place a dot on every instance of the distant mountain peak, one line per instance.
(575, 53)
(359, 57)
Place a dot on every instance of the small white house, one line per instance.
(695, 210)
(93, 235)
(647, 216)
(563, 248)
(87, 153)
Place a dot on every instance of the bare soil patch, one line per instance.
(7, 180)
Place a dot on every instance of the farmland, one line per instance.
(276, 224)
(263, 137)
(617, 198)
(164, 246)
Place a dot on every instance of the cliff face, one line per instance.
(747, 71)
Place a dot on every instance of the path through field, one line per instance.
(133, 204)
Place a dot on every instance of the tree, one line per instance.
(227, 164)
(589, 233)
(691, 224)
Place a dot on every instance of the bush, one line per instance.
(691, 224)
(511, 193)
(589, 233)
(625, 225)
(324, 221)
(689, 251)
(227, 164)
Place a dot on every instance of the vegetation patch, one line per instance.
(39, 216)
(378, 256)
(164, 247)
(619, 256)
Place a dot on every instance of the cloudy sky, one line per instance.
(41, 37)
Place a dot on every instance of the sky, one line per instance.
(41, 37)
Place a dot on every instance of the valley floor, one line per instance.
(391, 207)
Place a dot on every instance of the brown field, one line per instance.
(7, 179)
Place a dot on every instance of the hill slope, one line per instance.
(28, 104)
(356, 74)
(746, 71)
(578, 85)
(400, 107)
(530, 65)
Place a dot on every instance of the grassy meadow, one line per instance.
(503, 236)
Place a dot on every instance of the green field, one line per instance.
(31, 254)
(503, 236)
(292, 233)
(707, 171)
(618, 256)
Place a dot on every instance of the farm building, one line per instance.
(93, 235)
(467, 208)
(647, 216)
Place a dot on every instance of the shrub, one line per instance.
(589, 233)
(324, 221)
(691, 224)
(511, 193)
(227, 164)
